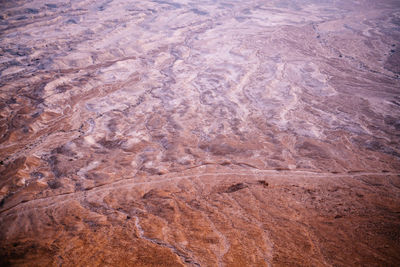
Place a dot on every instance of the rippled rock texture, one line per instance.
(200, 133)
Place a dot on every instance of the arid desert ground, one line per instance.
(200, 133)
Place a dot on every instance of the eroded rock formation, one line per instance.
(200, 133)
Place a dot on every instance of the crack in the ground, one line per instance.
(186, 259)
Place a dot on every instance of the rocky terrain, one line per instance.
(200, 133)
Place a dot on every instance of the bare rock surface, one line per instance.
(200, 133)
